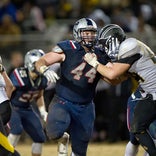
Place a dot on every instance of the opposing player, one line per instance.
(134, 57)
(29, 86)
(132, 146)
(6, 88)
(72, 109)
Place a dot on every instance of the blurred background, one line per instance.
(28, 24)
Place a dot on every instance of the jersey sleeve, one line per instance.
(16, 78)
(128, 48)
(67, 45)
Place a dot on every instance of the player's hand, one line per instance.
(91, 59)
(2, 69)
(44, 116)
(43, 113)
(49, 74)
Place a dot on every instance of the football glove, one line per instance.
(91, 59)
(43, 113)
(49, 74)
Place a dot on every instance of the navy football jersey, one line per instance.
(78, 79)
(27, 90)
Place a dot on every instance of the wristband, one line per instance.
(43, 69)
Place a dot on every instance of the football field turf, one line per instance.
(98, 149)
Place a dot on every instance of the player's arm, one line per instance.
(41, 105)
(42, 65)
(56, 55)
(118, 79)
(114, 72)
(111, 72)
(9, 85)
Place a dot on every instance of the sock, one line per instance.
(131, 149)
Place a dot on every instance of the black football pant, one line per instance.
(144, 114)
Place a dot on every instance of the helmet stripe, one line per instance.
(72, 45)
(89, 22)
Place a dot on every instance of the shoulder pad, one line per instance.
(128, 48)
(57, 49)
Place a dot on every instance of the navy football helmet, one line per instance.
(85, 24)
(31, 57)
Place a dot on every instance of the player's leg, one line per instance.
(63, 145)
(16, 128)
(133, 145)
(5, 143)
(82, 124)
(33, 127)
(5, 147)
(58, 121)
(142, 119)
(152, 132)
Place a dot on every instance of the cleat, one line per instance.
(63, 145)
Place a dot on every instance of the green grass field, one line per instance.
(102, 149)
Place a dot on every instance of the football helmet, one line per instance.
(31, 57)
(85, 24)
(110, 37)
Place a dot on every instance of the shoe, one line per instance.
(63, 145)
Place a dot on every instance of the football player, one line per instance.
(136, 58)
(72, 110)
(29, 86)
(6, 88)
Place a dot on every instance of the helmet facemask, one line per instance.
(110, 38)
(111, 45)
(85, 32)
(88, 37)
(31, 57)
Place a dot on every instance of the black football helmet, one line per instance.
(110, 37)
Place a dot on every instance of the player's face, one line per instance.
(88, 36)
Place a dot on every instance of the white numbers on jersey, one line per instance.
(78, 72)
(29, 97)
(22, 73)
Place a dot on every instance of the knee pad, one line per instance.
(55, 135)
(37, 148)
(13, 139)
